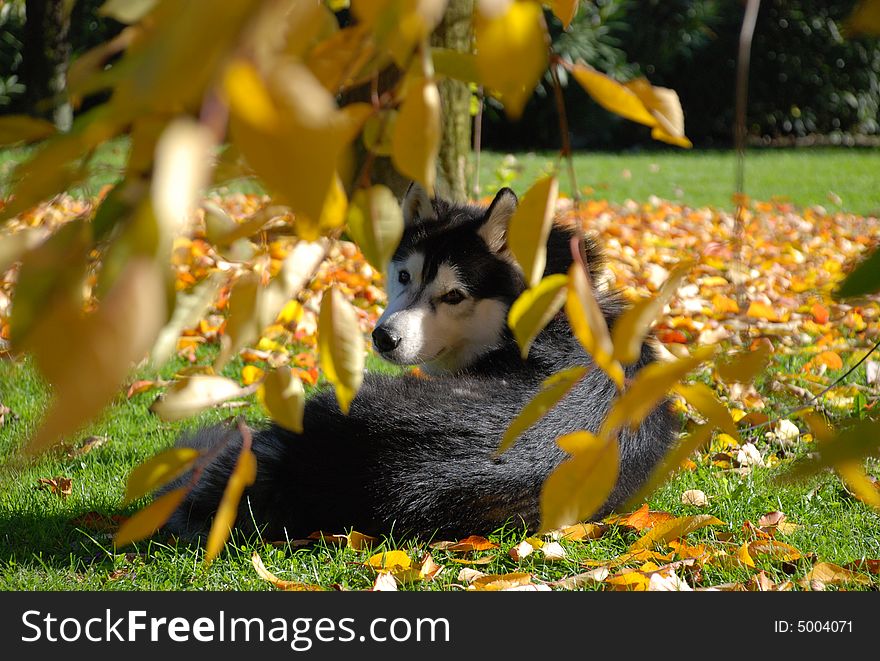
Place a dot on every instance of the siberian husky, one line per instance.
(417, 456)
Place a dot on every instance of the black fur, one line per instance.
(415, 456)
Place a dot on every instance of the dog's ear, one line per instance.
(417, 205)
(494, 228)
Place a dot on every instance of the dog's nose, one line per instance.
(384, 340)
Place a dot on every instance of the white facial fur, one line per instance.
(436, 335)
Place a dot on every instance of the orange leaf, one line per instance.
(820, 313)
(760, 310)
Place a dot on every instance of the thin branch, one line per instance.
(815, 398)
(566, 152)
(742, 92)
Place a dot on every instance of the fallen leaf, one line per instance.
(498, 582)
(291, 586)
(664, 532)
(694, 497)
(826, 573)
(60, 486)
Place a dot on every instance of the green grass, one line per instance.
(698, 178)
(42, 548)
(840, 179)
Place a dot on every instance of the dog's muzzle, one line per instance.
(384, 340)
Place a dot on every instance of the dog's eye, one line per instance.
(403, 277)
(453, 297)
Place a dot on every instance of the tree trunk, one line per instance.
(45, 55)
(455, 32)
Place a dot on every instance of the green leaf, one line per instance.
(863, 280)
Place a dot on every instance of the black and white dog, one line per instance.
(417, 456)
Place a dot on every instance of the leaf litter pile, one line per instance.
(773, 295)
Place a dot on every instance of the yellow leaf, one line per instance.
(332, 214)
(612, 96)
(827, 573)
(743, 367)
(857, 481)
(150, 519)
(564, 10)
(744, 556)
(158, 470)
(577, 441)
(669, 530)
(635, 581)
(648, 388)
(340, 346)
(127, 11)
(701, 397)
(664, 106)
(776, 550)
(865, 18)
(389, 561)
(583, 531)
(512, 53)
(102, 345)
(193, 394)
(552, 390)
(378, 130)
(181, 172)
(242, 324)
(291, 114)
(415, 142)
(632, 327)
(759, 310)
(497, 582)
(21, 128)
(588, 323)
(242, 476)
(251, 374)
(281, 584)
(455, 64)
(530, 226)
(189, 307)
(579, 486)
(358, 541)
(376, 224)
(283, 397)
(534, 309)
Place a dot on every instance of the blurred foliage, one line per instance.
(87, 30)
(807, 77)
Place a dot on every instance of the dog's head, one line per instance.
(450, 285)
